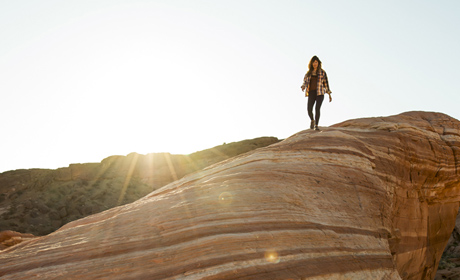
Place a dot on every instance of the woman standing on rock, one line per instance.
(315, 84)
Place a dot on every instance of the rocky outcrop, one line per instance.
(370, 198)
(40, 201)
(10, 238)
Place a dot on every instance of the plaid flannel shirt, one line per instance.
(323, 83)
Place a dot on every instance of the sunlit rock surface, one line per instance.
(370, 198)
(9, 238)
(39, 201)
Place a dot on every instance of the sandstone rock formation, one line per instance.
(10, 238)
(39, 201)
(370, 198)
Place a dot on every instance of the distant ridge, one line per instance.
(39, 201)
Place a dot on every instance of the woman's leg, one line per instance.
(311, 102)
(319, 102)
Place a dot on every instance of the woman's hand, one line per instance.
(330, 98)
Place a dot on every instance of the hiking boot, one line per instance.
(317, 128)
(312, 124)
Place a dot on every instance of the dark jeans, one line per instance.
(312, 98)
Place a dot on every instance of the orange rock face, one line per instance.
(9, 238)
(365, 199)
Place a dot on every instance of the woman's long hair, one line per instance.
(310, 65)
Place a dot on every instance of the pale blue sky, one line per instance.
(83, 80)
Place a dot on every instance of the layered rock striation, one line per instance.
(370, 198)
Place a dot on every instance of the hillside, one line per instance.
(39, 201)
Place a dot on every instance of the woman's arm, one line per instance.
(304, 86)
(326, 81)
(326, 84)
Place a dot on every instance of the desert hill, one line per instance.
(373, 198)
(39, 201)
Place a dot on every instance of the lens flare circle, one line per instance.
(225, 198)
(272, 256)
